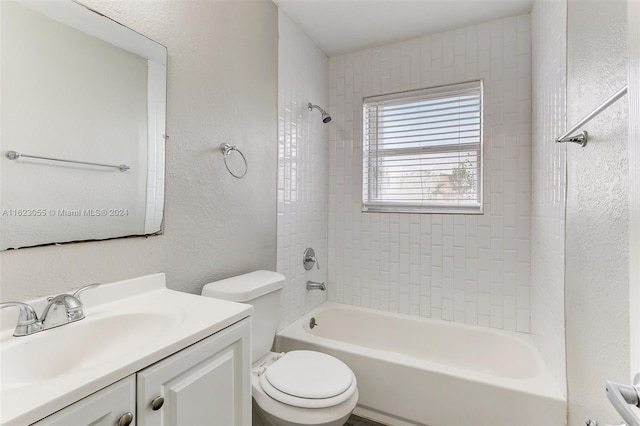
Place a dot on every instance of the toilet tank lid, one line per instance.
(246, 287)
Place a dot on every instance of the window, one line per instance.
(423, 150)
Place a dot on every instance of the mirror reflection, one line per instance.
(83, 123)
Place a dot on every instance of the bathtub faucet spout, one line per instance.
(312, 285)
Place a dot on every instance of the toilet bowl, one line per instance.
(297, 388)
(334, 410)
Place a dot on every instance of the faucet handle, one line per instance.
(28, 322)
(309, 258)
(74, 305)
(76, 294)
(27, 313)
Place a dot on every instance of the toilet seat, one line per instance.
(279, 413)
(309, 374)
(308, 379)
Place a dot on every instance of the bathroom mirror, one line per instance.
(83, 106)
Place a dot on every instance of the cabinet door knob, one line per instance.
(157, 403)
(125, 419)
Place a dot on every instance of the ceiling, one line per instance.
(343, 26)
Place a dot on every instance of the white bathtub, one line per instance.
(415, 371)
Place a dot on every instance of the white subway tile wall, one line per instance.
(465, 268)
(549, 44)
(303, 156)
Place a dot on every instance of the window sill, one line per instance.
(467, 210)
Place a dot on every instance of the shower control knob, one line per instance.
(126, 419)
(157, 403)
(309, 259)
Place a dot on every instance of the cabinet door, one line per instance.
(208, 383)
(103, 408)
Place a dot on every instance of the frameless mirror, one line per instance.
(83, 105)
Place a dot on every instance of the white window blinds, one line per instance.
(423, 150)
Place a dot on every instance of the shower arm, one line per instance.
(311, 107)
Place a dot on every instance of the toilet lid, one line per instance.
(309, 374)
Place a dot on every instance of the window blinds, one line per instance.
(423, 150)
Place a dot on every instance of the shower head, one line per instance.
(325, 115)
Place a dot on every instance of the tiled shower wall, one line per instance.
(303, 155)
(549, 53)
(466, 268)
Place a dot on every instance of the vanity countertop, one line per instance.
(129, 325)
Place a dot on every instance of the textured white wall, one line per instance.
(634, 182)
(222, 87)
(597, 268)
(549, 71)
(303, 155)
(466, 268)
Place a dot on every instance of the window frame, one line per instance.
(369, 177)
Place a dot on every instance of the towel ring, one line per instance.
(227, 149)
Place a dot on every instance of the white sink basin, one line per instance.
(128, 326)
(70, 348)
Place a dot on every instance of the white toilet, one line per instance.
(292, 389)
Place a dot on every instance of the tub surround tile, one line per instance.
(464, 268)
(302, 168)
(549, 43)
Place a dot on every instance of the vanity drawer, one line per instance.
(113, 405)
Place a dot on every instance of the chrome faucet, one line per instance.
(60, 310)
(312, 285)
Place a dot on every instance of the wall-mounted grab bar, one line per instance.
(581, 138)
(13, 155)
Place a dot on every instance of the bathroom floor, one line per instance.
(360, 421)
(353, 421)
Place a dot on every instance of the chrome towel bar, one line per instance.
(13, 155)
(581, 138)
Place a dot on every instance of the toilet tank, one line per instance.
(262, 290)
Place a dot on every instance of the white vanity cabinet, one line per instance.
(207, 383)
(111, 406)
